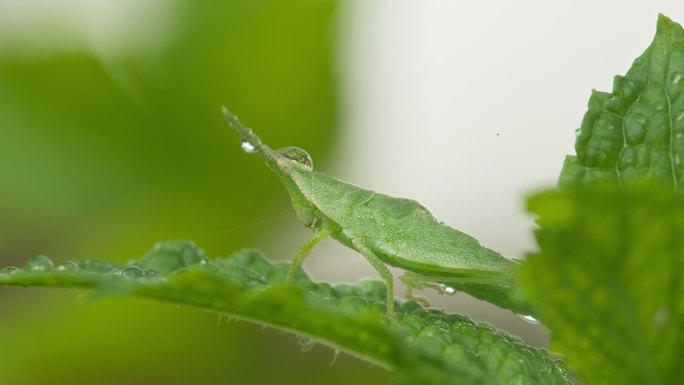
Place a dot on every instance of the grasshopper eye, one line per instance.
(297, 155)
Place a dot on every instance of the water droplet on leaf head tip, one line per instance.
(297, 155)
(247, 146)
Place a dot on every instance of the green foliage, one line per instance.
(608, 281)
(104, 153)
(637, 131)
(425, 346)
(607, 277)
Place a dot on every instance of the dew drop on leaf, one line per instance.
(133, 272)
(68, 266)
(675, 77)
(247, 147)
(9, 270)
(297, 155)
(39, 263)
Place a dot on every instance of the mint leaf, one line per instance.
(637, 131)
(423, 346)
(608, 281)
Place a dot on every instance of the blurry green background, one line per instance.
(111, 138)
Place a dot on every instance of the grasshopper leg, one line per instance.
(418, 298)
(384, 272)
(304, 250)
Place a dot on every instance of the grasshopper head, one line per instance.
(283, 162)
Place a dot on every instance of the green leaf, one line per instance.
(637, 131)
(423, 346)
(608, 281)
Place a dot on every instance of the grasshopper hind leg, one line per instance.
(410, 296)
(384, 272)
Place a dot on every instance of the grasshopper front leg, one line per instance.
(304, 251)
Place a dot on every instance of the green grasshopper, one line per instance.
(387, 231)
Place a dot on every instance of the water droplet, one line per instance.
(298, 155)
(247, 147)
(39, 263)
(133, 272)
(9, 270)
(640, 119)
(679, 135)
(659, 107)
(578, 132)
(446, 289)
(677, 160)
(676, 77)
(529, 319)
(680, 116)
(115, 272)
(99, 267)
(68, 266)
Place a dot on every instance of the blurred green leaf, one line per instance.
(637, 131)
(425, 346)
(607, 281)
(104, 153)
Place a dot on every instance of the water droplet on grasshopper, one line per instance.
(247, 147)
(529, 319)
(297, 155)
(448, 290)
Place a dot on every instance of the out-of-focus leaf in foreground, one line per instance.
(608, 281)
(637, 131)
(425, 346)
